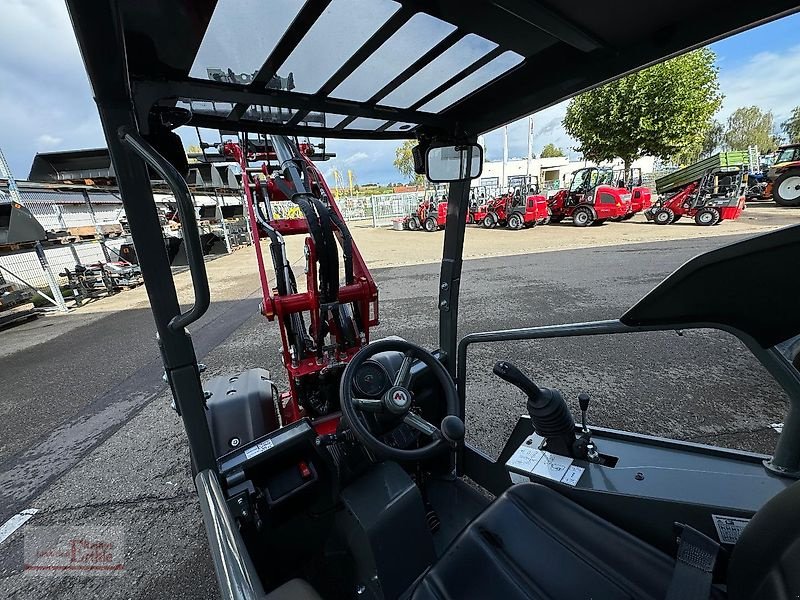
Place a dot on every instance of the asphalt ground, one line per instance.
(129, 468)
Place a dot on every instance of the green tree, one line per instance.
(750, 126)
(791, 127)
(404, 162)
(551, 151)
(664, 111)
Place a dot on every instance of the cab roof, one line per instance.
(383, 69)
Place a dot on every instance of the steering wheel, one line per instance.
(399, 401)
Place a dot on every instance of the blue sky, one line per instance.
(46, 104)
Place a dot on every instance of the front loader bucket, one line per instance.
(17, 224)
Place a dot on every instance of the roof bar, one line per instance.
(546, 20)
(423, 60)
(395, 22)
(148, 93)
(484, 60)
(308, 15)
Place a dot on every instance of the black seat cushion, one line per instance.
(534, 543)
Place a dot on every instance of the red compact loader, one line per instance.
(717, 196)
(592, 198)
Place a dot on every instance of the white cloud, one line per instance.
(769, 80)
(45, 100)
(48, 141)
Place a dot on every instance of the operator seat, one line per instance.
(534, 543)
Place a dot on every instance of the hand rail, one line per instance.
(236, 574)
(191, 235)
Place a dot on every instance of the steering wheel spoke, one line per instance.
(370, 405)
(403, 377)
(413, 420)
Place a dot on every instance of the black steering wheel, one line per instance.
(398, 401)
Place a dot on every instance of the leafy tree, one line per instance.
(791, 127)
(749, 126)
(404, 162)
(664, 111)
(714, 139)
(551, 151)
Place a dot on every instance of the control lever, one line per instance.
(584, 447)
(549, 412)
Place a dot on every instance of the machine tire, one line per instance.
(470, 219)
(489, 221)
(431, 225)
(413, 223)
(786, 189)
(582, 217)
(664, 216)
(707, 217)
(676, 218)
(515, 221)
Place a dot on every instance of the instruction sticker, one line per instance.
(517, 478)
(532, 461)
(552, 466)
(525, 458)
(573, 475)
(729, 528)
(258, 449)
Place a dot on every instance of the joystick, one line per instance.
(549, 412)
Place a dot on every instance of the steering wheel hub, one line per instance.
(397, 400)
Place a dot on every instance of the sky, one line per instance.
(46, 103)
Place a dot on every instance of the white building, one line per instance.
(553, 173)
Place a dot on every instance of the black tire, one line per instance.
(707, 217)
(663, 216)
(582, 217)
(489, 221)
(515, 221)
(431, 225)
(786, 189)
(413, 223)
(676, 218)
(470, 219)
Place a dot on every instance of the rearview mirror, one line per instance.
(453, 163)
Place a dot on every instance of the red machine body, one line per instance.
(641, 196)
(430, 216)
(591, 198)
(340, 316)
(700, 200)
(512, 211)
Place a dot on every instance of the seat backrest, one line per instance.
(765, 564)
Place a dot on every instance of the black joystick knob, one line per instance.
(508, 372)
(452, 429)
(549, 412)
(583, 401)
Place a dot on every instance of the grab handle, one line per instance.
(191, 234)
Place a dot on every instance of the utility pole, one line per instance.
(504, 183)
(530, 151)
